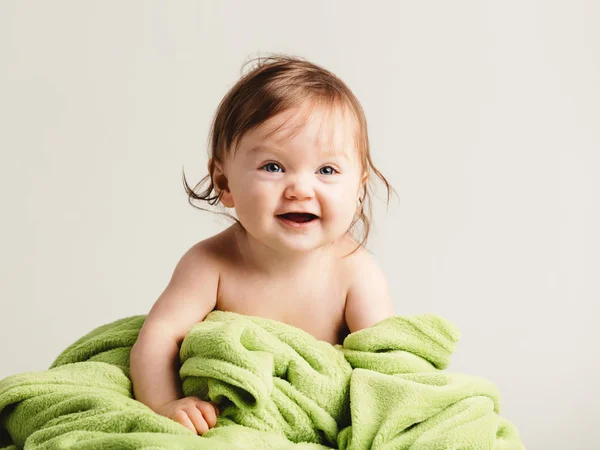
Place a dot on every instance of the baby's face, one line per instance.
(315, 171)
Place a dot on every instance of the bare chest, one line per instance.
(314, 304)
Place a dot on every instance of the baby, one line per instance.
(290, 153)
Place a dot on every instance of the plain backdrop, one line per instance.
(484, 116)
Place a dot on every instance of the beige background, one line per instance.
(483, 115)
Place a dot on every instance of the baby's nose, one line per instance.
(299, 188)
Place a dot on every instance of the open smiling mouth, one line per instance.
(298, 218)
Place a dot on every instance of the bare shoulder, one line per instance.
(368, 299)
(201, 256)
(206, 259)
(191, 292)
(219, 249)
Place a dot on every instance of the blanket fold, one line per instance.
(268, 376)
(277, 388)
(407, 402)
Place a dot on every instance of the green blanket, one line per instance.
(277, 388)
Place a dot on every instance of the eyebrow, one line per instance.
(262, 148)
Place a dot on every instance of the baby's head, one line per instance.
(288, 137)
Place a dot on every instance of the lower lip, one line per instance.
(293, 224)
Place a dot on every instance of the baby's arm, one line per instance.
(189, 297)
(368, 300)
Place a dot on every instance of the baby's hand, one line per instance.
(191, 412)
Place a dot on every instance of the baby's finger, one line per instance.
(182, 418)
(208, 412)
(195, 416)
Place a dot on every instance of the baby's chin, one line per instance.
(286, 238)
(284, 241)
(306, 244)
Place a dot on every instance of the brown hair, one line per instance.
(279, 83)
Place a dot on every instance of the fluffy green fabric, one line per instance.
(277, 388)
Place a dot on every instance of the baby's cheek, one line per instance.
(254, 201)
(340, 208)
(262, 196)
(341, 199)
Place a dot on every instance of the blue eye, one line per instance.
(273, 168)
(328, 167)
(271, 165)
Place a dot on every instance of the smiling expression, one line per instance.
(317, 172)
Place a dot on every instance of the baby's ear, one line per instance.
(220, 183)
